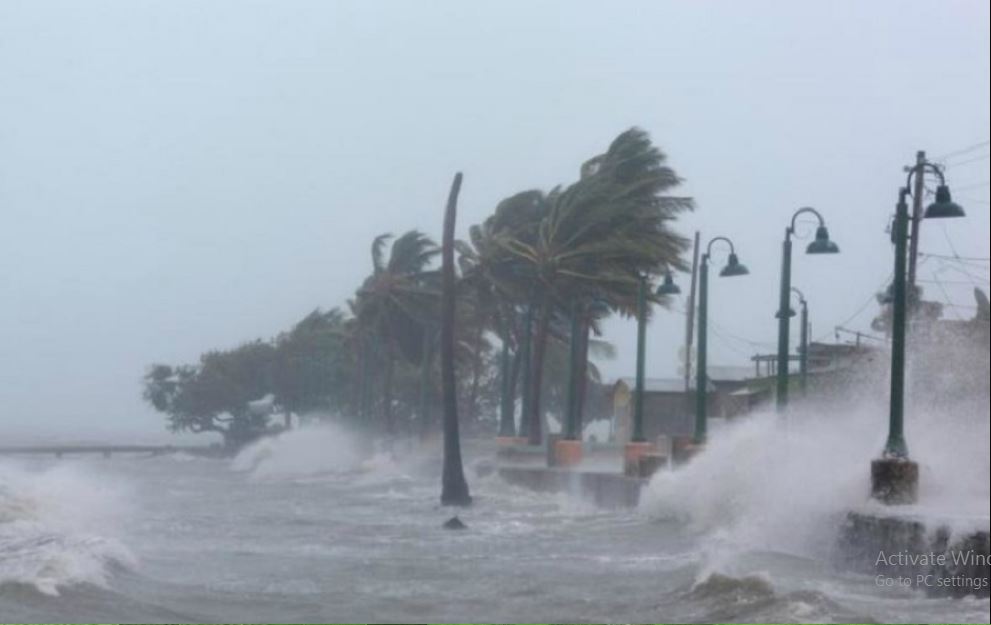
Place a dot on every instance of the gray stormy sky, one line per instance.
(176, 176)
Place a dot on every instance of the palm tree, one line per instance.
(454, 488)
(394, 305)
(597, 237)
(499, 286)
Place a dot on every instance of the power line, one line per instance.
(969, 148)
(966, 259)
(971, 160)
(972, 185)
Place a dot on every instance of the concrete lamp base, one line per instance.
(895, 481)
(650, 463)
(683, 450)
(631, 457)
(567, 453)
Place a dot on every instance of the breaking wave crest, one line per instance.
(783, 484)
(53, 527)
(306, 451)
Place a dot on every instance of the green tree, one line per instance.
(393, 307)
(597, 237)
(217, 395)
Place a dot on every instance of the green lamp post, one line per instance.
(895, 478)
(668, 287)
(821, 245)
(732, 269)
(803, 344)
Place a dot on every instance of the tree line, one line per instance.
(533, 283)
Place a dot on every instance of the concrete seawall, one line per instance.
(901, 550)
(606, 490)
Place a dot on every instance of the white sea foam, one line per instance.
(57, 528)
(304, 452)
(768, 483)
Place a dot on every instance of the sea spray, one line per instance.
(784, 483)
(57, 527)
(301, 452)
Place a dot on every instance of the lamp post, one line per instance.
(733, 268)
(803, 348)
(821, 245)
(895, 478)
(638, 444)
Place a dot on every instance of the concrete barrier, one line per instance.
(606, 490)
(909, 552)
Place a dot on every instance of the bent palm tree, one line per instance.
(454, 488)
(598, 236)
(395, 304)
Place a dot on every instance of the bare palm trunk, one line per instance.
(537, 372)
(476, 373)
(425, 384)
(390, 366)
(454, 488)
(507, 425)
(582, 377)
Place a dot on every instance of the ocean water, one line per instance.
(307, 528)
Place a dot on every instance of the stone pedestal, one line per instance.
(567, 453)
(631, 457)
(683, 450)
(895, 481)
(650, 463)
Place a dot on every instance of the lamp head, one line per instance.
(734, 268)
(944, 206)
(668, 287)
(822, 243)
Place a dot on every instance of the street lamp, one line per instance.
(803, 349)
(821, 245)
(895, 478)
(638, 444)
(733, 268)
(668, 287)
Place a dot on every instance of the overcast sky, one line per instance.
(178, 176)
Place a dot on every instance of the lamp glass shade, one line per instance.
(668, 287)
(944, 206)
(734, 268)
(822, 243)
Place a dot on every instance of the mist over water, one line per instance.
(310, 526)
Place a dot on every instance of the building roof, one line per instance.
(729, 373)
(661, 385)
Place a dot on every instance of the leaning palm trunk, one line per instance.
(424, 400)
(536, 436)
(387, 416)
(454, 488)
(527, 369)
(507, 426)
(476, 372)
(582, 376)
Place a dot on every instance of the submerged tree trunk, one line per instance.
(536, 436)
(454, 488)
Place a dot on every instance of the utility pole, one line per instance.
(690, 324)
(913, 241)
